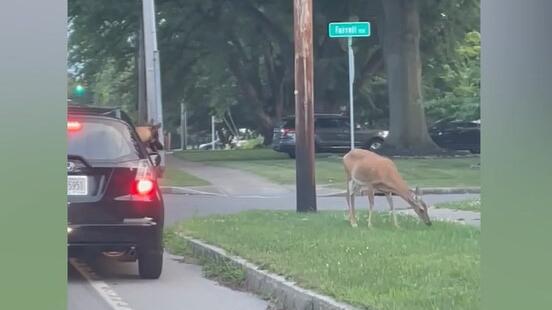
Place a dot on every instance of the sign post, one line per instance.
(350, 30)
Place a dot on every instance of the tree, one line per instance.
(401, 43)
(219, 56)
(457, 95)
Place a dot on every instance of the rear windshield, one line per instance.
(289, 123)
(103, 141)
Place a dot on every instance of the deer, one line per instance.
(369, 172)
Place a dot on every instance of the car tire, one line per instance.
(291, 154)
(374, 144)
(150, 264)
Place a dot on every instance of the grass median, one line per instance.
(415, 267)
(179, 178)
(440, 172)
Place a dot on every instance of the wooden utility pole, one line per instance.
(304, 106)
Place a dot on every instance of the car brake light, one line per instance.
(145, 179)
(144, 187)
(286, 132)
(74, 126)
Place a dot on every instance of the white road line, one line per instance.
(103, 289)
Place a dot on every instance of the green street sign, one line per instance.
(349, 30)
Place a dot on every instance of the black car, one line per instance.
(113, 199)
(332, 134)
(457, 135)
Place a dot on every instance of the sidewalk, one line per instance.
(231, 182)
(234, 183)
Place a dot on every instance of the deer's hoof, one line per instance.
(354, 225)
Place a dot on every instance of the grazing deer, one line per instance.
(149, 135)
(369, 172)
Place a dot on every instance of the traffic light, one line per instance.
(79, 90)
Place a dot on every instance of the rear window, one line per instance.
(289, 123)
(331, 123)
(103, 141)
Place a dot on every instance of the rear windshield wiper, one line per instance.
(79, 158)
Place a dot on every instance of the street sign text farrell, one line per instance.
(349, 30)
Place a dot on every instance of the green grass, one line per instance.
(175, 177)
(223, 272)
(445, 172)
(415, 267)
(469, 205)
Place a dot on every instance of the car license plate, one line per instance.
(77, 185)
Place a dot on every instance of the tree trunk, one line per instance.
(408, 129)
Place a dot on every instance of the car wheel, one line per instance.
(150, 264)
(375, 144)
(291, 154)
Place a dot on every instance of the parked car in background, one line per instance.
(457, 135)
(209, 146)
(332, 134)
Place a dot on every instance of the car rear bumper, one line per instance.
(284, 146)
(131, 232)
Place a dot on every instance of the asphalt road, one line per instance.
(105, 284)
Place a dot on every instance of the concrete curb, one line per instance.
(285, 294)
(425, 191)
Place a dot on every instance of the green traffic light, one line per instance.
(79, 90)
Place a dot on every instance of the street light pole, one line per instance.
(351, 82)
(304, 106)
(213, 132)
(152, 72)
(142, 103)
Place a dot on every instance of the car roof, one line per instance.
(112, 112)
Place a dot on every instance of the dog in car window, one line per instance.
(149, 135)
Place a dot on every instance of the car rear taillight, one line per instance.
(144, 186)
(286, 132)
(145, 179)
(74, 126)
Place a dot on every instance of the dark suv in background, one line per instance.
(457, 135)
(332, 134)
(114, 204)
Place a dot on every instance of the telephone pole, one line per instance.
(304, 106)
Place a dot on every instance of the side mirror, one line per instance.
(155, 158)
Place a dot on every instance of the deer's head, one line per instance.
(420, 207)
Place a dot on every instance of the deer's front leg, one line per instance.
(390, 201)
(351, 201)
(370, 193)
